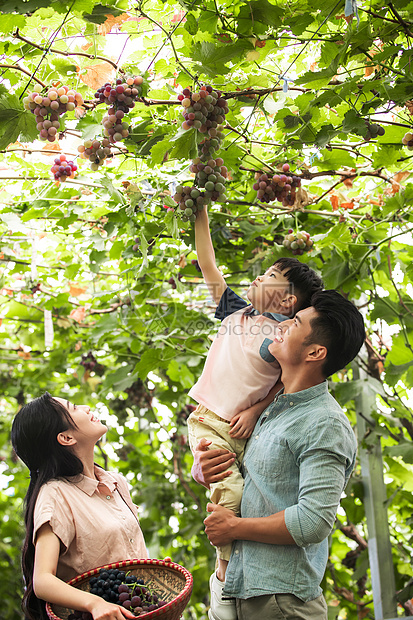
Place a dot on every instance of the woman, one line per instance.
(78, 516)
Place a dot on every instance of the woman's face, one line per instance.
(89, 427)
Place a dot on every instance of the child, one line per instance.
(240, 377)
(78, 516)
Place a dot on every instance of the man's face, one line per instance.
(288, 345)
(267, 291)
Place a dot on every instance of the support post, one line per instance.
(375, 497)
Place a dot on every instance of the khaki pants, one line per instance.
(205, 423)
(281, 607)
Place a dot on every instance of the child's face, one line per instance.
(268, 291)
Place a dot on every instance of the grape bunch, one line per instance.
(299, 242)
(96, 151)
(116, 587)
(205, 110)
(121, 97)
(172, 280)
(281, 187)
(90, 363)
(49, 107)
(190, 200)
(407, 140)
(373, 130)
(138, 395)
(63, 169)
(135, 595)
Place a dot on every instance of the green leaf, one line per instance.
(180, 373)
(150, 361)
(100, 14)
(191, 24)
(213, 58)
(15, 121)
(403, 449)
(113, 192)
(386, 156)
(184, 144)
(263, 12)
(316, 79)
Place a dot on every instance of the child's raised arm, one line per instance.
(206, 257)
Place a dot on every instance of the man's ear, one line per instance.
(316, 353)
(289, 301)
(66, 439)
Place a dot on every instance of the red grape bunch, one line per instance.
(121, 97)
(407, 140)
(299, 242)
(205, 110)
(48, 109)
(63, 169)
(96, 151)
(281, 187)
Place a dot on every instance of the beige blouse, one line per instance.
(95, 520)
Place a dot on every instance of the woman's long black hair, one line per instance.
(34, 438)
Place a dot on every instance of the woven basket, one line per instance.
(172, 582)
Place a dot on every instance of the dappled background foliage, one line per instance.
(101, 299)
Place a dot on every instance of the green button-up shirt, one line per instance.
(298, 459)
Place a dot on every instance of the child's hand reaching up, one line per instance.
(242, 424)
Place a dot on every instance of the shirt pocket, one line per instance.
(270, 458)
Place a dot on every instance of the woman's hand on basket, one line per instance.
(102, 610)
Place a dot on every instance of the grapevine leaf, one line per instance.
(149, 362)
(100, 13)
(213, 58)
(191, 24)
(114, 193)
(184, 144)
(15, 121)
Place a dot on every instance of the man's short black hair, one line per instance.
(339, 327)
(304, 282)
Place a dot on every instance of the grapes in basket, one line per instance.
(121, 588)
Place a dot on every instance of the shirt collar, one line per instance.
(251, 311)
(304, 396)
(90, 485)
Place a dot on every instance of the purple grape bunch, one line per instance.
(120, 588)
(96, 151)
(121, 97)
(280, 186)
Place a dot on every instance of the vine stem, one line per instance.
(17, 35)
(70, 181)
(19, 68)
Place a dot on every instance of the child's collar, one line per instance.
(250, 310)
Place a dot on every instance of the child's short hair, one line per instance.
(304, 282)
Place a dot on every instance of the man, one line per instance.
(296, 466)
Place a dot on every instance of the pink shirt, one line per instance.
(235, 376)
(94, 524)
